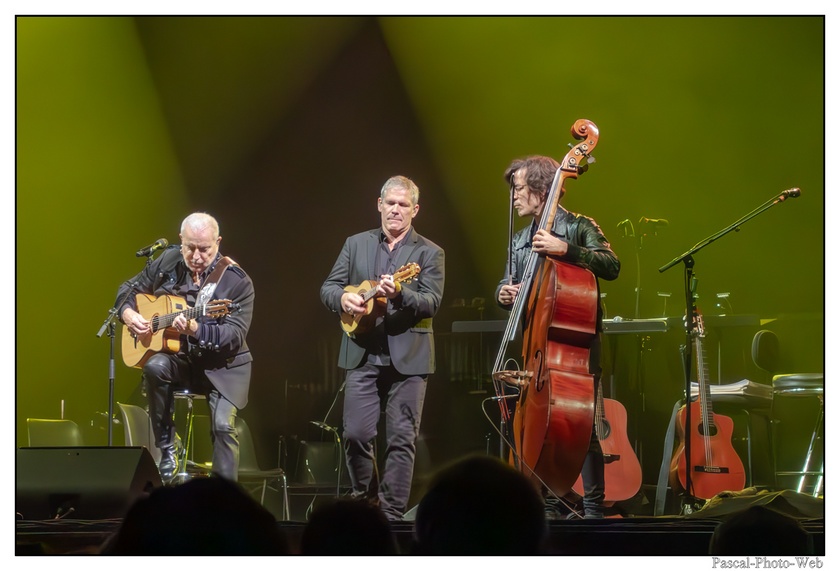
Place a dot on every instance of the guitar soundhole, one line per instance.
(712, 430)
(605, 429)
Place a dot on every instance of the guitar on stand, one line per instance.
(715, 465)
(687, 259)
(622, 471)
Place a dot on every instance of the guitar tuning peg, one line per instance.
(590, 159)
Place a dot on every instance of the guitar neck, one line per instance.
(704, 390)
(368, 295)
(599, 413)
(163, 321)
(402, 275)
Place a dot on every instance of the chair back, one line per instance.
(53, 432)
(247, 450)
(765, 351)
(138, 429)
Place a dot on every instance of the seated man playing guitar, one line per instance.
(209, 354)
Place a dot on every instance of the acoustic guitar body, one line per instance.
(137, 350)
(722, 470)
(364, 322)
(622, 471)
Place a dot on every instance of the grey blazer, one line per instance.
(407, 324)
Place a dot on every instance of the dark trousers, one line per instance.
(592, 475)
(592, 472)
(365, 388)
(164, 373)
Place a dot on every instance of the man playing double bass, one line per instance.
(573, 239)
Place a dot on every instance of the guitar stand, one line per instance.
(690, 504)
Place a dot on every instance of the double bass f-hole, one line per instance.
(539, 384)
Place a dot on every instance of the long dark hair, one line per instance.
(540, 173)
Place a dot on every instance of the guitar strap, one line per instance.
(209, 287)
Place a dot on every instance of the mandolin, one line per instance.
(715, 465)
(622, 471)
(161, 312)
(354, 324)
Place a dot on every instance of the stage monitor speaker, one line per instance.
(83, 482)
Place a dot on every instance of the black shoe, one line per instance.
(552, 513)
(168, 465)
(593, 514)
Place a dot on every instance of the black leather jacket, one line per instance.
(588, 248)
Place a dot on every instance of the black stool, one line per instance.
(186, 453)
(805, 385)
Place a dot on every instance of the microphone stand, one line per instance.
(110, 325)
(688, 500)
(637, 247)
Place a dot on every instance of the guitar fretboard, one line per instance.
(163, 321)
(215, 308)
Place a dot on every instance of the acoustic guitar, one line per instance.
(622, 471)
(715, 465)
(353, 324)
(161, 312)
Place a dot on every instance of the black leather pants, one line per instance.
(164, 373)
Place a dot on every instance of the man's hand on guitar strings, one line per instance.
(352, 303)
(136, 323)
(183, 325)
(387, 287)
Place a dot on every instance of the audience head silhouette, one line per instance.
(205, 516)
(348, 527)
(480, 506)
(759, 530)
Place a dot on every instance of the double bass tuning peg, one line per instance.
(589, 158)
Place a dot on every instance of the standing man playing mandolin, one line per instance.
(213, 358)
(393, 354)
(574, 239)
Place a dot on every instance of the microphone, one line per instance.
(654, 221)
(324, 426)
(152, 248)
(790, 193)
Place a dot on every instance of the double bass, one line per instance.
(558, 305)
